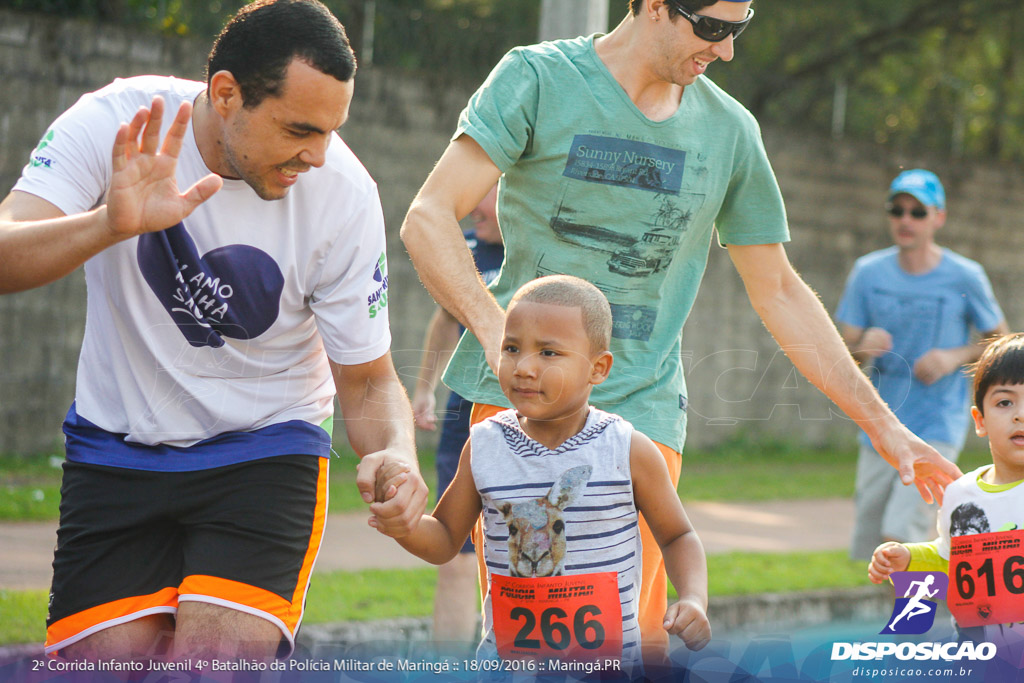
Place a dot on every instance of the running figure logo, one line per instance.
(914, 613)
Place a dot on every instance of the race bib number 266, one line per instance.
(568, 617)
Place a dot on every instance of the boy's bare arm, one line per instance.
(439, 536)
(685, 562)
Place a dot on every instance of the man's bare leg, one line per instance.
(206, 631)
(455, 603)
(138, 640)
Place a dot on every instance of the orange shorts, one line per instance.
(135, 543)
(654, 581)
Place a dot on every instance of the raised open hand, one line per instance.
(144, 195)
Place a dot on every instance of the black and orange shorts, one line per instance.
(133, 543)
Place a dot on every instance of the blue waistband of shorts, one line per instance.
(87, 443)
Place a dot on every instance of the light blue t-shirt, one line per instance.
(933, 310)
(594, 188)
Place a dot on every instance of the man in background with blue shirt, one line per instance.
(908, 310)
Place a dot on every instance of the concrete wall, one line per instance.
(45, 65)
(834, 193)
(738, 379)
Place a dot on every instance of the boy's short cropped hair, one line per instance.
(1002, 362)
(566, 290)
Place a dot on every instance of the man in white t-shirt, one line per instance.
(221, 322)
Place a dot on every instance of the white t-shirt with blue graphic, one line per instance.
(933, 310)
(220, 326)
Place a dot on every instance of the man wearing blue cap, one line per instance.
(909, 311)
(618, 158)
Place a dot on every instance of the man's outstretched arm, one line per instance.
(39, 244)
(799, 323)
(431, 233)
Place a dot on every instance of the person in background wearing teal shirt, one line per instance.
(908, 310)
(619, 158)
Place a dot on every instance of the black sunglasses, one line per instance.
(712, 29)
(898, 211)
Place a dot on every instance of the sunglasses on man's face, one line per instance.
(898, 211)
(712, 29)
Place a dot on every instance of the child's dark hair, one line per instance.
(1002, 362)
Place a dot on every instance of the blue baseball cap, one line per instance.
(922, 185)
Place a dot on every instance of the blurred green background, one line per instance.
(937, 74)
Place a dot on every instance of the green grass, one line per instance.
(743, 470)
(768, 472)
(386, 593)
(370, 595)
(24, 617)
(29, 487)
(739, 573)
(382, 594)
(739, 471)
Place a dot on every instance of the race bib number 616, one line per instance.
(568, 617)
(986, 578)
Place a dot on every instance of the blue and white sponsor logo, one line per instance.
(913, 613)
(38, 158)
(927, 651)
(378, 301)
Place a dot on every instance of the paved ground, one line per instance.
(26, 549)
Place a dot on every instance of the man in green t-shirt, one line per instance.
(616, 159)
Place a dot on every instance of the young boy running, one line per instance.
(981, 522)
(560, 484)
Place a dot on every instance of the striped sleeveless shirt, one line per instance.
(600, 519)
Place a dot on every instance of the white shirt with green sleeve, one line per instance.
(970, 505)
(593, 188)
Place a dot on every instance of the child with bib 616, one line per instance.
(981, 522)
(560, 484)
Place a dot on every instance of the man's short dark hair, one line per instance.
(692, 5)
(263, 38)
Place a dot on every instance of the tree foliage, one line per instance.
(941, 75)
(447, 40)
